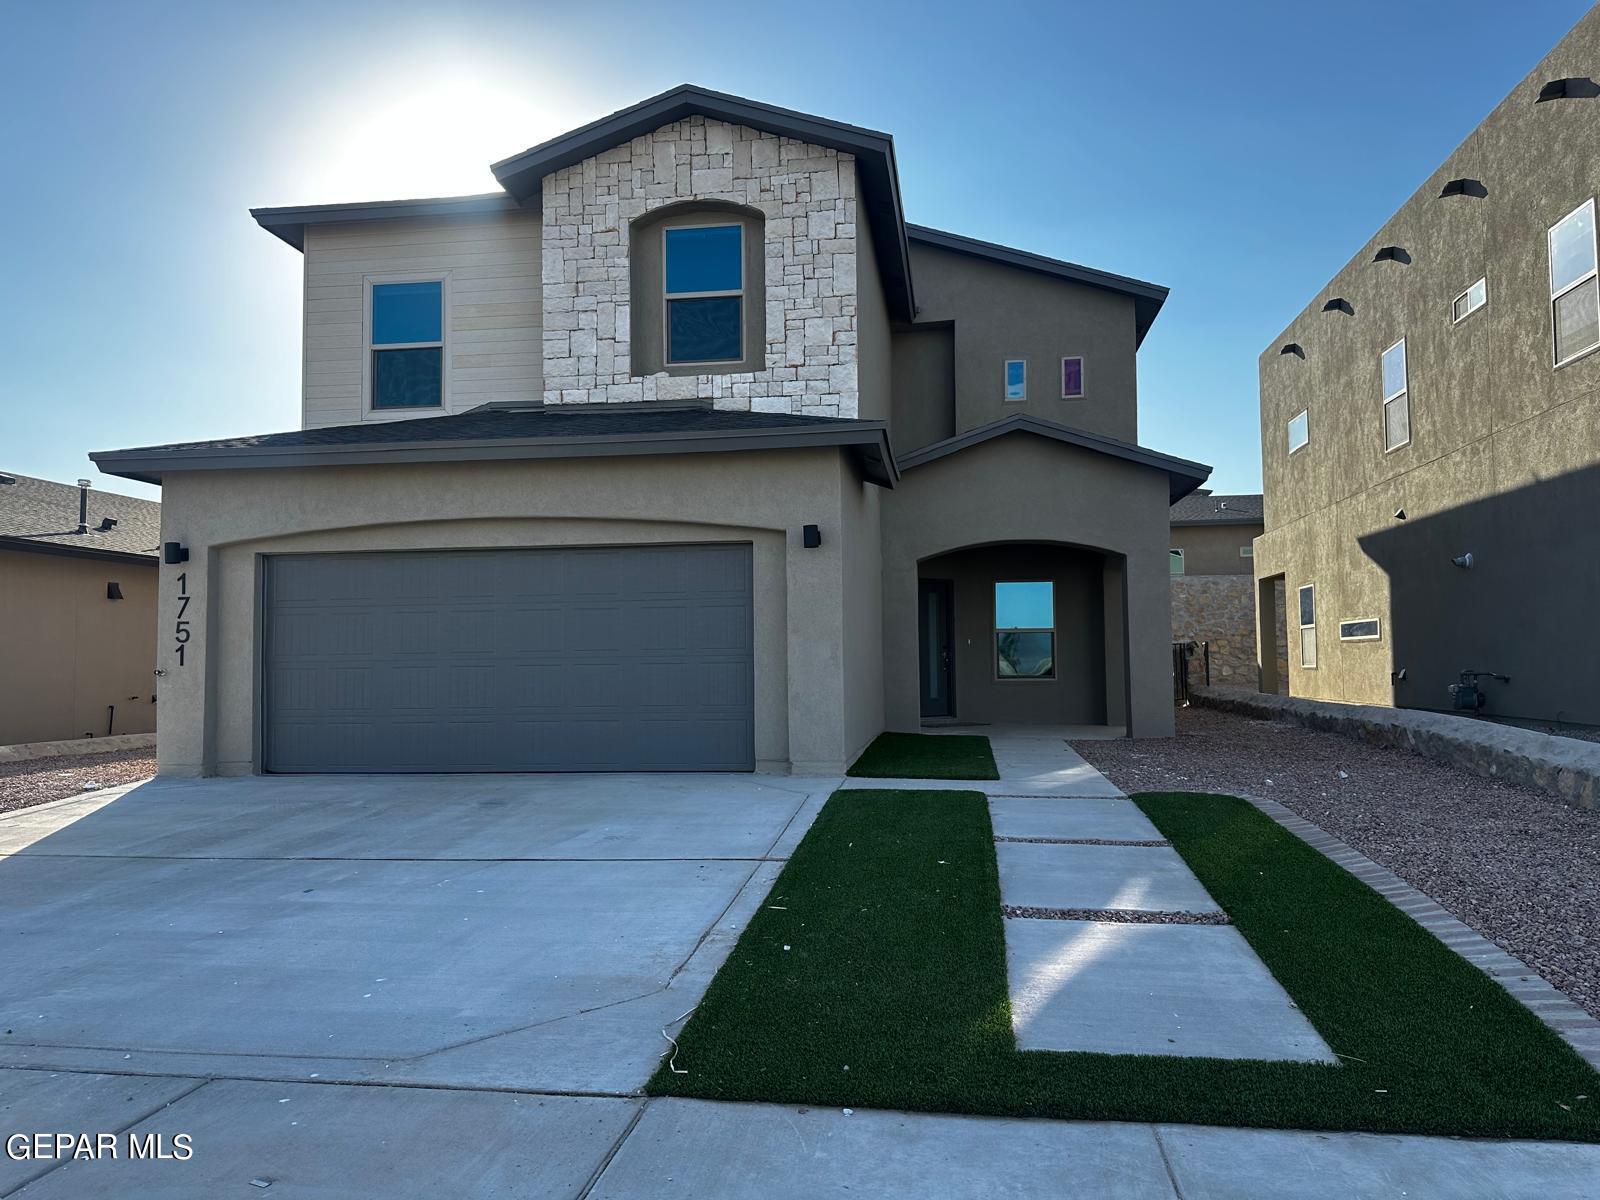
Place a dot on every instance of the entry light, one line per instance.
(811, 536)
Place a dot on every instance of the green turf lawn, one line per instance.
(926, 756)
(874, 975)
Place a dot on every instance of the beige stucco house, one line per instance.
(684, 451)
(77, 611)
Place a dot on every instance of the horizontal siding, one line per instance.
(494, 338)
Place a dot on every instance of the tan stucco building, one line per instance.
(1430, 428)
(683, 452)
(77, 611)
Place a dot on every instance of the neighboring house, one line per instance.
(77, 611)
(683, 452)
(1430, 429)
(1213, 588)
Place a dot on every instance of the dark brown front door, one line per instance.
(936, 646)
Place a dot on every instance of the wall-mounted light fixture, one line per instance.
(811, 537)
(173, 553)
(1464, 561)
(113, 591)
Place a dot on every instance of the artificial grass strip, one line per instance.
(874, 975)
(926, 756)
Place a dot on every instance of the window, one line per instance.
(1025, 630)
(1574, 288)
(1396, 398)
(1247, 551)
(1299, 431)
(1072, 378)
(1016, 379)
(704, 274)
(1364, 629)
(1174, 562)
(1470, 301)
(1308, 626)
(408, 345)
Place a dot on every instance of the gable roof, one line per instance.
(1183, 475)
(1203, 508)
(1147, 297)
(519, 431)
(40, 514)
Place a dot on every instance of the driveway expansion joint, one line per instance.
(1115, 916)
(1085, 841)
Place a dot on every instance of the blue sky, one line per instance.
(1238, 153)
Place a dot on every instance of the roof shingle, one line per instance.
(46, 512)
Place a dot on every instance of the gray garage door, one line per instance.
(593, 659)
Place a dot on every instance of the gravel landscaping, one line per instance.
(40, 780)
(1517, 865)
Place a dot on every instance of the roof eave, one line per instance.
(34, 546)
(866, 441)
(289, 223)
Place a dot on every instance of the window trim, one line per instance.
(1455, 320)
(369, 378)
(1005, 382)
(1175, 553)
(1247, 551)
(1592, 274)
(1403, 393)
(1298, 609)
(667, 297)
(996, 631)
(1083, 377)
(1365, 637)
(1289, 431)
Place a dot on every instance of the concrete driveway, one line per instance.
(455, 986)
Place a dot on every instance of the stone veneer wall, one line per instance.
(1221, 610)
(808, 196)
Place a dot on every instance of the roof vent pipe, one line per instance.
(83, 506)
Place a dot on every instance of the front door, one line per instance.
(935, 646)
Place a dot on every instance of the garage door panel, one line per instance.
(619, 658)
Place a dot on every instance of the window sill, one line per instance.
(1578, 357)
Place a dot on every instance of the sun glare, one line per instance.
(433, 135)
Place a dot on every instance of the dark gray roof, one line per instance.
(1183, 475)
(290, 223)
(527, 431)
(40, 514)
(874, 153)
(1147, 297)
(1207, 509)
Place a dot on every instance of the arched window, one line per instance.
(698, 290)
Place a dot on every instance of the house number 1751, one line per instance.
(180, 631)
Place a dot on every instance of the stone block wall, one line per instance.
(1221, 610)
(807, 195)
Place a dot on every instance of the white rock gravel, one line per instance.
(1515, 864)
(40, 780)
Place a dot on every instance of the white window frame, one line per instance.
(1298, 609)
(1005, 381)
(1175, 554)
(1594, 270)
(1403, 394)
(994, 626)
(1484, 303)
(722, 364)
(1289, 428)
(1083, 377)
(1247, 551)
(369, 412)
(1364, 637)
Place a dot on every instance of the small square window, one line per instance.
(1247, 551)
(1072, 378)
(1174, 562)
(1299, 431)
(1470, 301)
(1016, 379)
(1024, 630)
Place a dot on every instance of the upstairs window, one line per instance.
(1574, 298)
(1016, 379)
(1072, 377)
(1396, 398)
(1299, 430)
(704, 275)
(1025, 630)
(1470, 301)
(408, 345)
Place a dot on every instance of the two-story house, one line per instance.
(684, 451)
(1430, 431)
